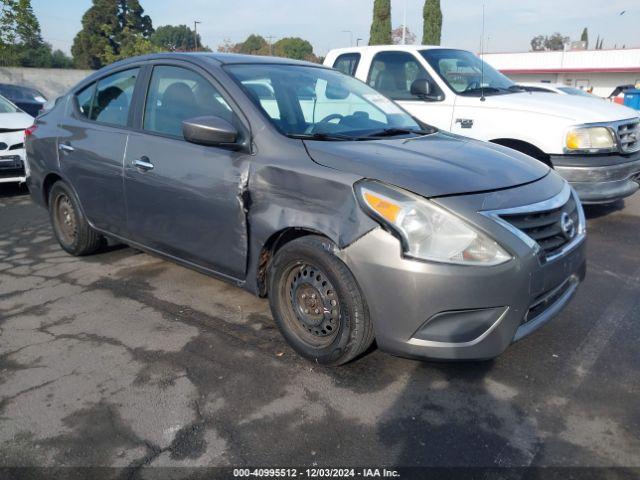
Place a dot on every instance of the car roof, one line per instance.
(203, 59)
(216, 57)
(386, 48)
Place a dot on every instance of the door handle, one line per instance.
(143, 164)
(65, 147)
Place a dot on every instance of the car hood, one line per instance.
(11, 121)
(431, 166)
(572, 107)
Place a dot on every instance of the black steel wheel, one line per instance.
(70, 227)
(317, 303)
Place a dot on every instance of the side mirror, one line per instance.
(425, 89)
(209, 130)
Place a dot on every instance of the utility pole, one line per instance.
(404, 24)
(195, 34)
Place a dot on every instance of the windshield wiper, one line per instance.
(320, 136)
(482, 90)
(394, 131)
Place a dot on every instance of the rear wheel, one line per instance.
(70, 227)
(317, 303)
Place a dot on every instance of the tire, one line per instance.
(330, 328)
(70, 226)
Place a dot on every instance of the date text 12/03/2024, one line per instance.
(315, 473)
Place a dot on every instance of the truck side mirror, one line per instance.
(426, 90)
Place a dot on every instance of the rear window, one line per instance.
(109, 99)
(85, 100)
(347, 63)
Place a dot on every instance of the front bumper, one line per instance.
(13, 166)
(600, 178)
(454, 312)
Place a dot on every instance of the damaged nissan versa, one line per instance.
(305, 185)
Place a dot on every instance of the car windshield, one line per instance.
(466, 74)
(22, 93)
(6, 106)
(314, 102)
(575, 91)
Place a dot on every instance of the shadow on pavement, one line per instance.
(13, 190)
(596, 211)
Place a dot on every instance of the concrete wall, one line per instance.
(52, 82)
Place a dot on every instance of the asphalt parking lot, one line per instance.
(123, 359)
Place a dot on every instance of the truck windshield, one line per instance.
(318, 103)
(463, 72)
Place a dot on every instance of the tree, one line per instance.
(107, 26)
(555, 42)
(396, 36)
(59, 59)
(294, 47)
(380, 33)
(21, 42)
(254, 44)
(176, 38)
(432, 26)
(229, 47)
(537, 43)
(585, 38)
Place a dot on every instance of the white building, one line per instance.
(601, 69)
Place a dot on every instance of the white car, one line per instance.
(13, 123)
(554, 88)
(595, 145)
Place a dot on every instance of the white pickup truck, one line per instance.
(594, 144)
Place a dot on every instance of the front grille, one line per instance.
(546, 300)
(11, 167)
(546, 227)
(629, 136)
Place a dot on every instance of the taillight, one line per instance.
(29, 131)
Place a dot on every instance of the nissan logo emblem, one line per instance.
(568, 226)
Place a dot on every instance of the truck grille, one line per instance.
(629, 136)
(546, 227)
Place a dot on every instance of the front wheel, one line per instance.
(317, 303)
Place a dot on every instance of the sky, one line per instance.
(509, 24)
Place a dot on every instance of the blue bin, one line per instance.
(632, 98)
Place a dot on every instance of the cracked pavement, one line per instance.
(124, 359)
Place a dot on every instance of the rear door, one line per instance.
(185, 199)
(91, 149)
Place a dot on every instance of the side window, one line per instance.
(85, 100)
(392, 74)
(347, 63)
(113, 98)
(176, 94)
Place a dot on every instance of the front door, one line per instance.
(92, 145)
(184, 199)
(393, 72)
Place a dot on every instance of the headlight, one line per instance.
(428, 232)
(598, 139)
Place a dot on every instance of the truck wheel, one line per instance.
(70, 227)
(317, 303)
